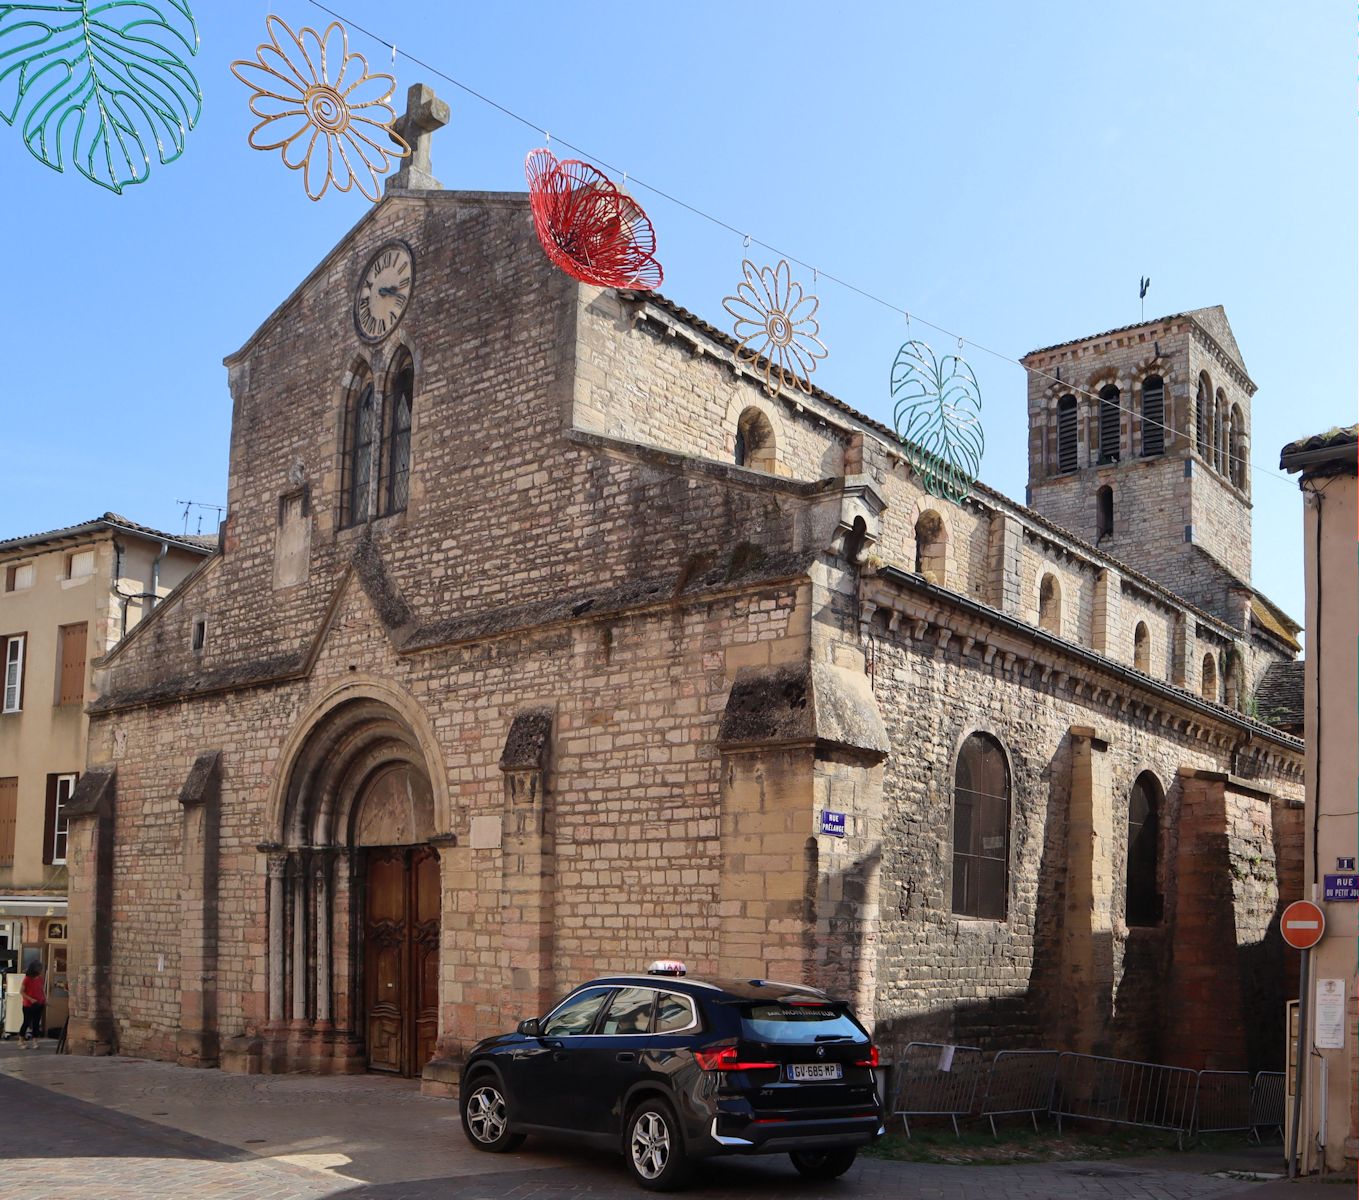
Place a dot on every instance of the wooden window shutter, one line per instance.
(1153, 416)
(9, 805)
(49, 820)
(73, 638)
(1066, 434)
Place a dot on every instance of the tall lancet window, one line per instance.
(357, 455)
(396, 438)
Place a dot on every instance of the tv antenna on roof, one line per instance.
(1142, 294)
(192, 504)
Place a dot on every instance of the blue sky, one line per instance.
(1007, 171)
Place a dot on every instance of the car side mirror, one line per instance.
(529, 1028)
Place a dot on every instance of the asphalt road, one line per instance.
(57, 1146)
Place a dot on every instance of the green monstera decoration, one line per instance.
(98, 84)
(937, 414)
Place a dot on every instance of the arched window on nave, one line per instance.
(1143, 890)
(981, 829)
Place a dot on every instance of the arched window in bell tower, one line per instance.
(1203, 415)
(1153, 416)
(1110, 413)
(1236, 446)
(1067, 459)
(1219, 432)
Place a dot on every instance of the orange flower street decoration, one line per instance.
(776, 326)
(588, 228)
(321, 107)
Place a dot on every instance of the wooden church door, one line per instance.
(401, 958)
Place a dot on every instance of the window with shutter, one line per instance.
(71, 689)
(9, 804)
(1153, 416)
(14, 672)
(59, 789)
(1109, 415)
(1066, 434)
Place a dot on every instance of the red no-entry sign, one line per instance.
(1302, 924)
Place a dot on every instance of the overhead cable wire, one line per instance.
(749, 239)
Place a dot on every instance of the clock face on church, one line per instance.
(384, 291)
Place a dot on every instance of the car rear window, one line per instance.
(675, 1013)
(799, 1023)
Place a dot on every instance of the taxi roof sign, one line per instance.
(667, 966)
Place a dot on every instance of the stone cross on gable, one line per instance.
(424, 114)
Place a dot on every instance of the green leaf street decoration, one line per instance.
(938, 418)
(98, 84)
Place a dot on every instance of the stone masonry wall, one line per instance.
(1000, 983)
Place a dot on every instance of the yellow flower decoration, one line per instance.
(321, 107)
(776, 322)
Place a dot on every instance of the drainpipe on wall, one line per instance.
(155, 571)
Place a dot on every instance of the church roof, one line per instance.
(1212, 321)
(979, 488)
(1279, 695)
(111, 521)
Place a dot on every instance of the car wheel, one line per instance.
(654, 1148)
(486, 1116)
(824, 1164)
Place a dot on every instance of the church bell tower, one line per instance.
(1139, 443)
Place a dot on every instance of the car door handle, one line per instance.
(559, 1056)
(626, 1056)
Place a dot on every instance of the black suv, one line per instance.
(669, 1069)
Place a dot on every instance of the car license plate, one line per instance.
(814, 1072)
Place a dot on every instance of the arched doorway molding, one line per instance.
(298, 809)
(360, 788)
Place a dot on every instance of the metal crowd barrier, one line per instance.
(1222, 1102)
(1124, 1093)
(934, 1080)
(1267, 1103)
(1020, 1081)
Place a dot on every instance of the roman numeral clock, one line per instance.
(384, 291)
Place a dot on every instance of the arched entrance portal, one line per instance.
(354, 890)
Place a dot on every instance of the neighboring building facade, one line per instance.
(68, 596)
(1327, 466)
(543, 642)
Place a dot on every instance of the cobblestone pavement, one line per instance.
(100, 1129)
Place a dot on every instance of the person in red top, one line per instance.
(35, 1001)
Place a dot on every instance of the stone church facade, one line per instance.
(542, 640)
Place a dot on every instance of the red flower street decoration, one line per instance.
(590, 229)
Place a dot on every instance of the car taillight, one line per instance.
(871, 1060)
(727, 1059)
